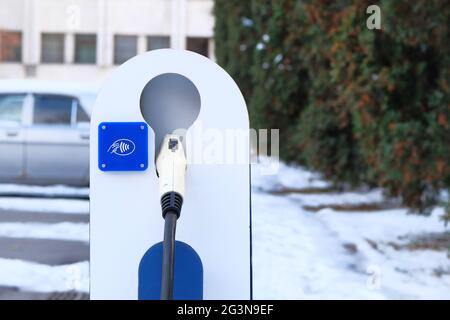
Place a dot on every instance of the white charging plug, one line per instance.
(171, 166)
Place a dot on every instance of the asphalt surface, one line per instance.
(43, 251)
(49, 252)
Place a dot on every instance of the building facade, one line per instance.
(83, 40)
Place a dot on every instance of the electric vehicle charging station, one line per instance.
(132, 142)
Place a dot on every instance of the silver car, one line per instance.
(44, 133)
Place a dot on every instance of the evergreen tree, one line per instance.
(358, 105)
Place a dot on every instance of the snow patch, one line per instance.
(54, 191)
(285, 177)
(64, 206)
(37, 277)
(352, 198)
(338, 255)
(58, 231)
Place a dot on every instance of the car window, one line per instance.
(52, 109)
(82, 116)
(11, 108)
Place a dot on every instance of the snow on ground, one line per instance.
(43, 278)
(403, 273)
(59, 231)
(369, 197)
(52, 191)
(383, 226)
(67, 206)
(296, 257)
(298, 254)
(264, 179)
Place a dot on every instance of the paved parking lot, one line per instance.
(48, 254)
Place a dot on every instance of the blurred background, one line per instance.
(360, 93)
(85, 40)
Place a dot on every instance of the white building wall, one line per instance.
(12, 14)
(137, 16)
(199, 18)
(177, 19)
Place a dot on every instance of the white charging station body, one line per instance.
(125, 209)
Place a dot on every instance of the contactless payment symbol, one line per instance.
(122, 146)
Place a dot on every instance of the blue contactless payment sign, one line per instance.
(122, 146)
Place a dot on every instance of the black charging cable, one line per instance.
(171, 203)
(171, 167)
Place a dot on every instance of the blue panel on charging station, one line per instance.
(188, 273)
(123, 146)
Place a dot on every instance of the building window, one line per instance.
(157, 42)
(10, 46)
(199, 45)
(85, 48)
(125, 47)
(52, 48)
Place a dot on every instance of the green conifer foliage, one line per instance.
(358, 105)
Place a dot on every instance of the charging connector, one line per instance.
(171, 168)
